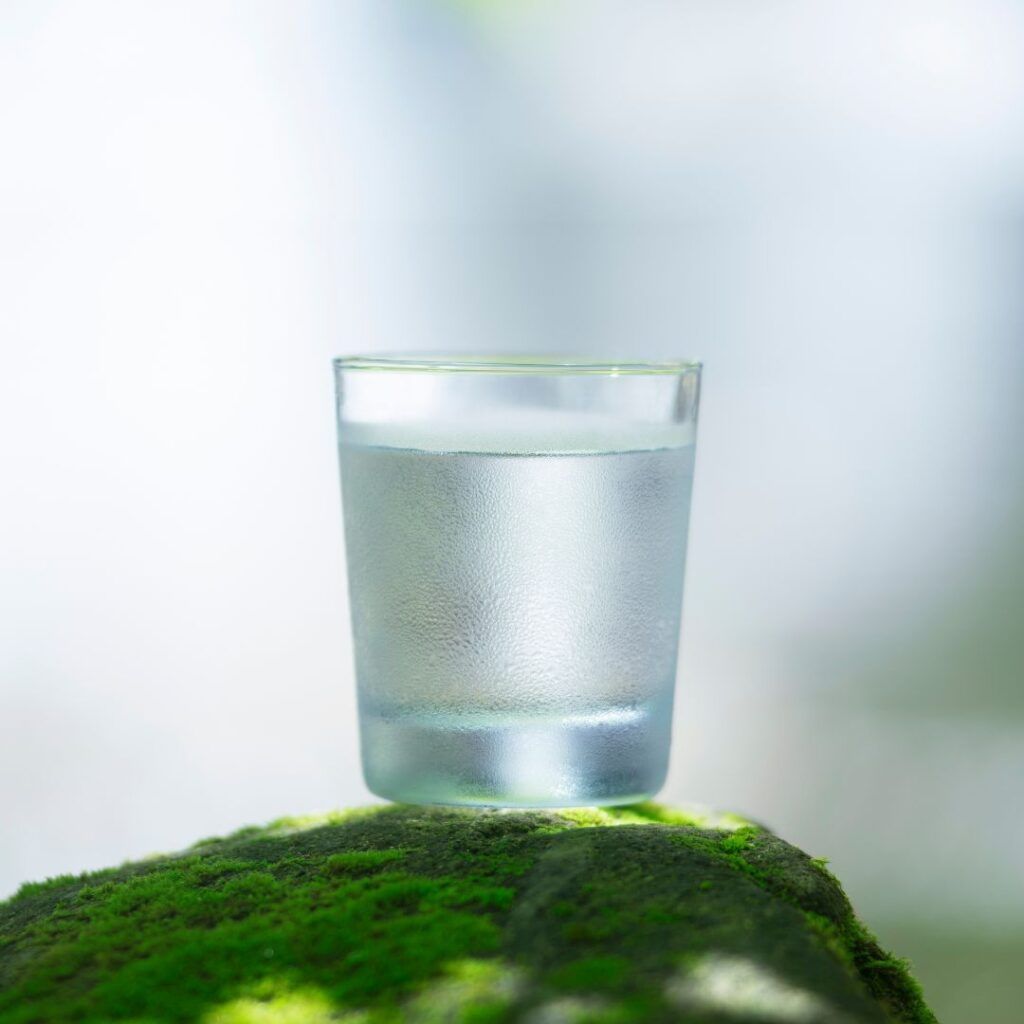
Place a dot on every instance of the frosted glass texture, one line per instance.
(516, 540)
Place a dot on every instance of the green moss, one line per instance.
(395, 914)
(816, 892)
(359, 862)
(831, 937)
(649, 812)
(593, 973)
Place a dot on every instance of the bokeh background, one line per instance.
(202, 202)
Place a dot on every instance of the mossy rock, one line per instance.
(431, 914)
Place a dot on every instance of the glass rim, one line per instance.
(420, 362)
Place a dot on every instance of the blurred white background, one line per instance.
(202, 202)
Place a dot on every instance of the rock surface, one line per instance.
(430, 914)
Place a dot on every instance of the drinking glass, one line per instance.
(515, 530)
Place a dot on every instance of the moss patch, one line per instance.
(431, 914)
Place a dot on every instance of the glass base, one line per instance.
(617, 756)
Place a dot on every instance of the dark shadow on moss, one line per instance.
(402, 913)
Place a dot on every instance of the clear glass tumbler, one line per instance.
(515, 531)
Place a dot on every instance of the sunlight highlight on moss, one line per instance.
(488, 986)
(650, 813)
(739, 986)
(303, 1006)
